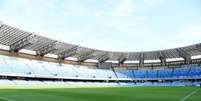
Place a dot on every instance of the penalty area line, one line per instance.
(6, 99)
(190, 94)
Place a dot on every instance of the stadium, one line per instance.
(35, 67)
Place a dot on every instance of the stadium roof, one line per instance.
(18, 39)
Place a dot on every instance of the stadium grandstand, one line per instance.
(27, 58)
(100, 50)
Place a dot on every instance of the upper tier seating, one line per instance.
(190, 71)
(12, 66)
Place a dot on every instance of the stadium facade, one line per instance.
(29, 59)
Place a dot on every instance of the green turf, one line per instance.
(98, 94)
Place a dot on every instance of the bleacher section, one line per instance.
(184, 71)
(32, 68)
(12, 66)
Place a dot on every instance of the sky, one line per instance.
(113, 25)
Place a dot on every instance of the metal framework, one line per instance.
(18, 39)
(198, 47)
(22, 43)
(102, 57)
(122, 58)
(84, 54)
(162, 58)
(184, 55)
(141, 59)
(68, 52)
(46, 49)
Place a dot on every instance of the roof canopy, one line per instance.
(18, 39)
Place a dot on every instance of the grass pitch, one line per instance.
(99, 93)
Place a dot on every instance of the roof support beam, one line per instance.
(122, 58)
(104, 57)
(141, 60)
(198, 46)
(68, 53)
(1, 24)
(85, 55)
(185, 55)
(162, 58)
(46, 49)
(22, 43)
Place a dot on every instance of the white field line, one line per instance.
(7, 99)
(190, 94)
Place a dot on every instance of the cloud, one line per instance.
(75, 9)
(192, 31)
(118, 25)
(184, 36)
(125, 8)
(153, 2)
